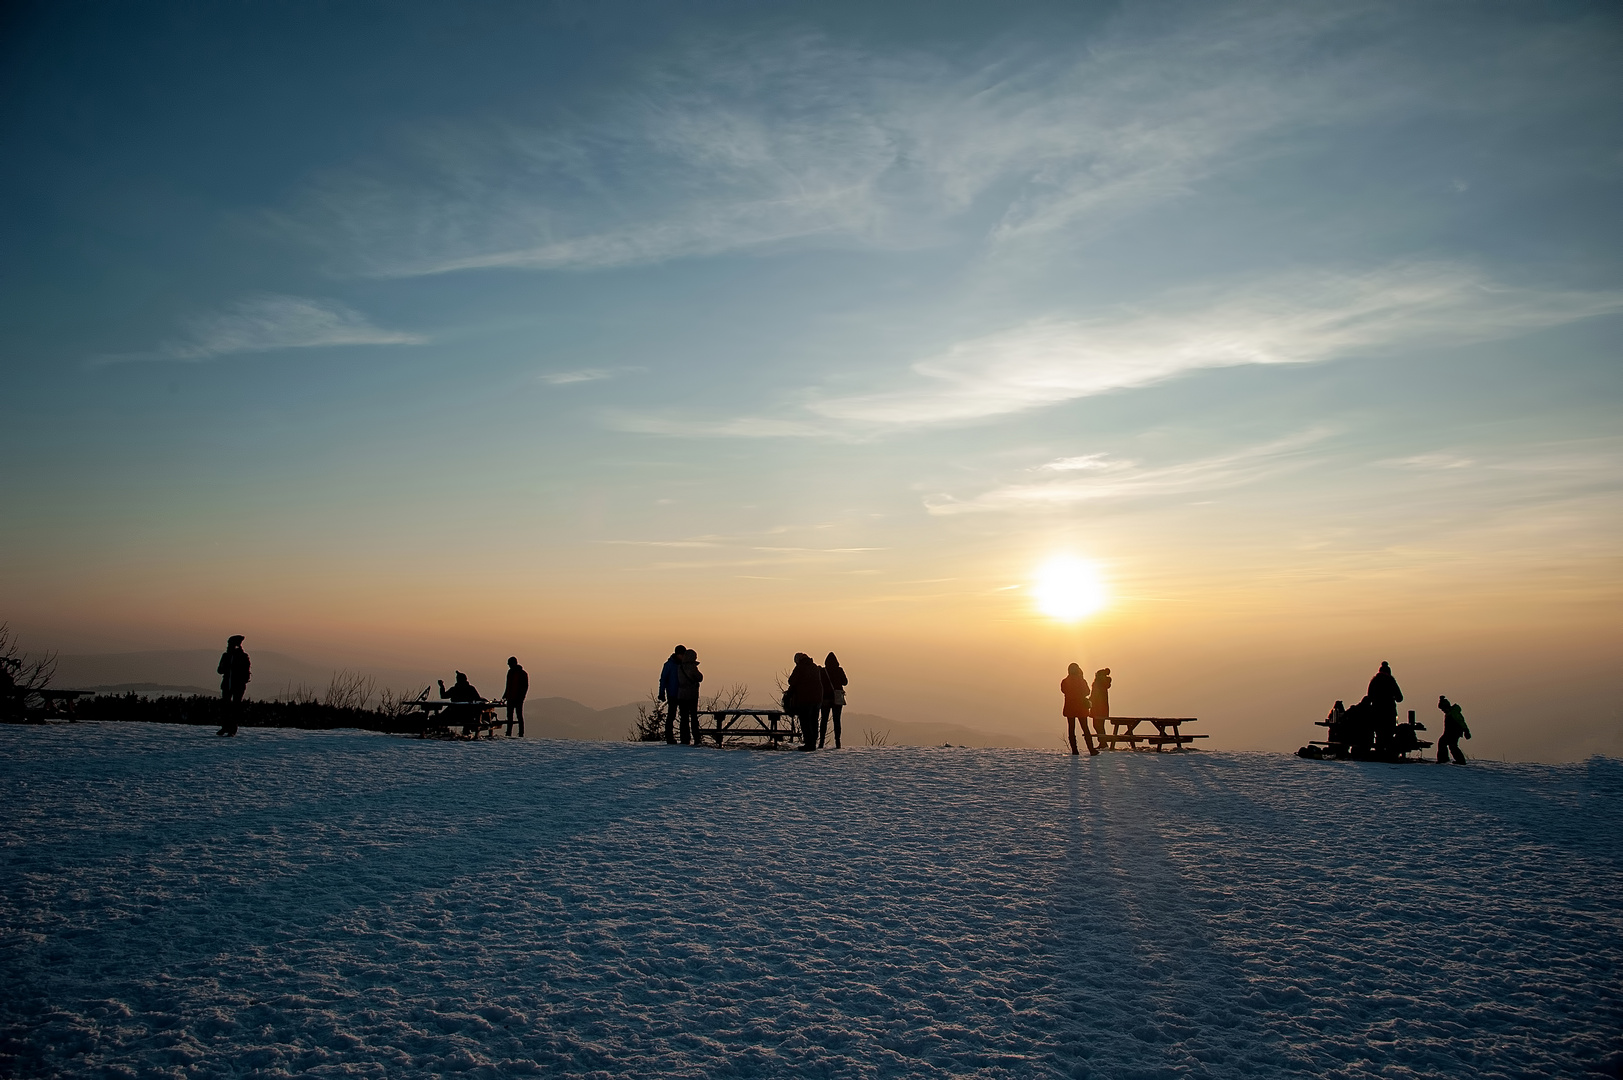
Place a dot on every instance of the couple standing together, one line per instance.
(1082, 702)
(814, 696)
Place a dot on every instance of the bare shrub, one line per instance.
(736, 696)
(350, 690)
(396, 705)
(28, 673)
(876, 738)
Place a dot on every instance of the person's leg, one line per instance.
(822, 726)
(1442, 749)
(509, 721)
(1454, 748)
(1070, 732)
(837, 710)
(1087, 737)
(690, 723)
(808, 727)
(670, 720)
(519, 708)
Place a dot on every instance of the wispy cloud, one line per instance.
(265, 322)
(569, 378)
(1105, 478)
(719, 427)
(1305, 319)
(760, 142)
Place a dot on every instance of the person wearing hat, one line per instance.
(233, 671)
(462, 692)
(518, 685)
(1453, 727)
(1099, 702)
(1075, 688)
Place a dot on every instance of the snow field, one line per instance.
(334, 903)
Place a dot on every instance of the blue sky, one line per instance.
(747, 307)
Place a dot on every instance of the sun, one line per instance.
(1069, 589)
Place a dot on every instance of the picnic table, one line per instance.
(53, 704)
(475, 717)
(1389, 753)
(1168, 732)
(773, 725)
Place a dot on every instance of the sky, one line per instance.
(414, 335)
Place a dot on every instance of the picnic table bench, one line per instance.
(773, 725)
(475, 718)
(1340, 749)
(1168, 732)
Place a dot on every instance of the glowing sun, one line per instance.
(1069, 589)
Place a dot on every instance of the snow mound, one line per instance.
(334, 903)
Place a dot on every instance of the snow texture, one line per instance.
(343, 904)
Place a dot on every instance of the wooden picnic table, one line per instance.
(1168, 732)
(475, 717)
(772, 725)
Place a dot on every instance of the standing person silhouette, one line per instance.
(834, 684)
(804, 698)
(1453, 727)
(669, 686)
(688, 678)
(1099, 702)
(518, 687)
(1384, 696)
(234, 674)
(1075, 688)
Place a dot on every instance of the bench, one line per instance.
(476, 718)
(1168, 732)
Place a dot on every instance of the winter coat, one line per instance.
(669, 683)
(233, 669)
(688, 678)
(518, 684)
(1454, 723)
(461, 691)
(1101, 697)
(1384, 688)
(1075, 689)
(805, 688)
(834, 684)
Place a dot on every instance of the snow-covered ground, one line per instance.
(344, 904)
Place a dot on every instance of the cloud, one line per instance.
(1307, 318)
(568, 378)
(265, 322)
(1112, 479)
(755, 143)
(726, 427)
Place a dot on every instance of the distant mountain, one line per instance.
(275, 674)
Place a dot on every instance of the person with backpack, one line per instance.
(1453, 727)
(803, 698)
(1075, 688)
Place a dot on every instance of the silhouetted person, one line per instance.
(1453, 727)
(462, 692)
(688, 678)
(1334, 721)
(518, 687)
(1075, 688)
(669, 686)
(1099, 702)
(1384, 696)
(834, 684)
(234, 674)
(804, 697)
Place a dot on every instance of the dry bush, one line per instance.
(876, 738)
(735, 696)
(27, 673)
(350, 690)
(396, 705)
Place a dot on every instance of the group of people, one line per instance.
(465, 693)
(815, 697)
(1083, 702)
(1370, 728)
